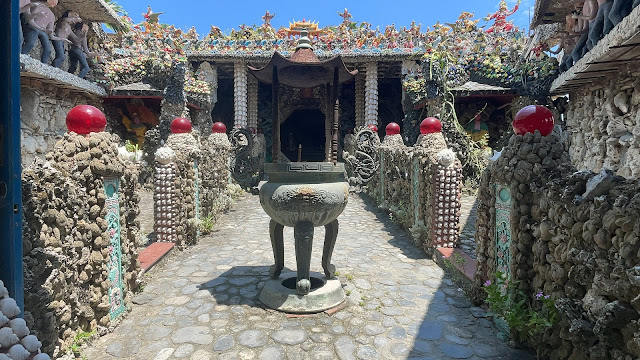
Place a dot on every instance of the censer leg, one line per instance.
(331, 234)
(277, 243)
(303, 234)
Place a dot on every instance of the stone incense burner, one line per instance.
(303, 196)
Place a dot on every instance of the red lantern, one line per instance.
(531, 118)
(430, 125)
(85, 119)
(218, 128)
(373, 128)
(180, 126)
(392, 129)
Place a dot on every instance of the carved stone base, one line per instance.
(281, 294)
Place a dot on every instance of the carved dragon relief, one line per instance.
(243, 164)
(363, 164)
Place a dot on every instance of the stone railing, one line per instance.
(80, 221)
(420, 185)
(191, 182)
(572, 236)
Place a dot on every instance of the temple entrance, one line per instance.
(304, 127)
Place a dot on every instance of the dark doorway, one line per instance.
(306, 128)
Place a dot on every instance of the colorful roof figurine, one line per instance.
(303, 69)
(298, 26)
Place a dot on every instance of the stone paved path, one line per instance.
(469, 206)
(202, 302)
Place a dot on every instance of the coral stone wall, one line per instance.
(421, 187)
(215, 174)
(187, 157)
(573, 235)
(68, 231)
(604, 122)
(42, 118)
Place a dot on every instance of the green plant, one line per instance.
(337, 273)
(459, 259)
(348, 292)
(348, 276)
(526, 316)
(81, 338)
(206, 224)
(131, 147)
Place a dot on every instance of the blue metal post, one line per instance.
(10, 169)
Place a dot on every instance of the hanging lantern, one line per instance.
(85, 119)
(180, 126)
(218, 128)
(430, 125)
(392, 129)
(531, 118)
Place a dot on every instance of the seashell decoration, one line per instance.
(164, 196)
(371, 94)
(252, 100)
(15, 341)
(360, 103)
(240, 94)
(447, 181)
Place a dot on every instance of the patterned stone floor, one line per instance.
(468, 208)
(202, 303)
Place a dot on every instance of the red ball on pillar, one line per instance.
(85, 119)
(180, 126)
(531, 118)
(392, 129)
(430, 125)
(218, 128)
(373, 128)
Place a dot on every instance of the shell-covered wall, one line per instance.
(574, 236)
(421, 187)
(215, 173)
(67, 237)
(604, 122)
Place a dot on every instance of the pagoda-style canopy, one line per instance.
(303, 70)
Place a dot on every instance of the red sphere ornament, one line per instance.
(85, 119)
(373, 128)
(218, 128)
(531, 118)
(430, 125)
(180, 126)
(392, 129)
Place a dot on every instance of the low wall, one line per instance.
(421, 187)
(191, 186)
(573, 236)
(80, 255)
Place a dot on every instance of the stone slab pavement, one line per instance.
(202, 303)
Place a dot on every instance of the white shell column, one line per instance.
(252, 110)
(240, 94)
(371, 94)
(359, 101)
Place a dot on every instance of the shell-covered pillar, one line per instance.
(188, 155)
(240, 94)
(360, 102)
(371, 94)
(441, 184)
(252, 106)
(165, 196)
(214, 172)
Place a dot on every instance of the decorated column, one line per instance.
(240, 94)
(252, 106)
(202, 118)
(360, 102)
(371, 94)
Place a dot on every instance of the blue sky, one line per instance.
(231, 13)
